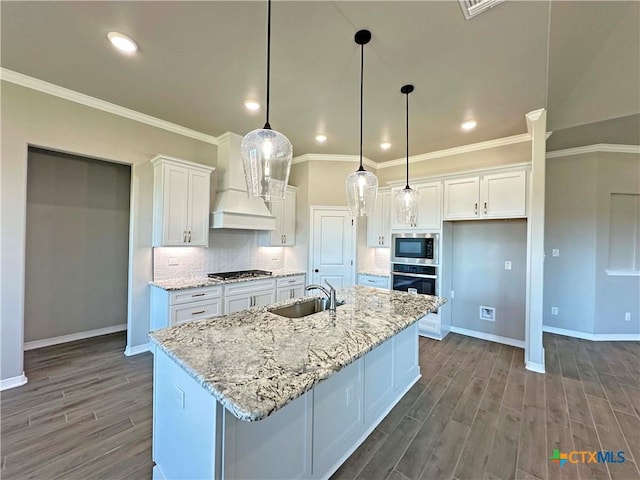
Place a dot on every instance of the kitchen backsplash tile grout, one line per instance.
(228, 250)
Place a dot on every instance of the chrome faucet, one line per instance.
(331, 294)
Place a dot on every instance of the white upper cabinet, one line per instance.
(504, 195)
(181, 198)
(429, 208)
(497, 195)
(378, 224)
(285, 212)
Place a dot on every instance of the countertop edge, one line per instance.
(201, 282)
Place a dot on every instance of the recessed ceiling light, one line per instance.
(320, 138)
(252, 105)
(122, 42)
(385, 145)
(468, 125)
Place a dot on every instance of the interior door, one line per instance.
(332, 247)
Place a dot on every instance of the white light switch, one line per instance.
(555, 252)
(554, 310)
(627, 316)
(507, 265)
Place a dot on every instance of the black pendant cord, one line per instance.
(361, 169)
(267, 126)
(407, 186)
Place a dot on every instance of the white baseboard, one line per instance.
(535, 367)
(488, 336)
(594, 337)
(13, 382)
(46, 342)
(138, 349)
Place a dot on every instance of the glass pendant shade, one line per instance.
(362, 190)
(266, 158)
(406, 201)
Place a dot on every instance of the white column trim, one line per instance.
(534, 292)
(138, 349)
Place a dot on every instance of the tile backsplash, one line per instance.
(228, 250)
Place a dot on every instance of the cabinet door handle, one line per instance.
(184, 237)
(291, 293)
(485, 207)
(198, 295)
(189, 236)
(285, 238)
(475, 208)
(198, 313)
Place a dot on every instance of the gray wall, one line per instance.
(577, 221)
(480, 249)
(76, 245)
(29, 117)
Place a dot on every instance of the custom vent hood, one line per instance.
(232, 207)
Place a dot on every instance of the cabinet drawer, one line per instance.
(430, 325)
(289, 281)
(195, 311)
(373, 281)
(188, 295)
(249, 287)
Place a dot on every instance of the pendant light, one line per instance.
(407, 199)
(361, 186)
(266, 153)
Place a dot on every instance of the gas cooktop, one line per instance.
(239, 274)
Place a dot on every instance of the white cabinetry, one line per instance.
(373, 281)
(168, 308)
(498, 195)
(181, 198)
(243, 295)
(378, 224)
(429, 208)
(290, 287)
(285, 213)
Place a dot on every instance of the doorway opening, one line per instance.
(77, 248)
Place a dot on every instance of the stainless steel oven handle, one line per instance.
(416, 275)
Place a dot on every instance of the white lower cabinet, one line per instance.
(373, 281)
(290, 287)
(168, 308)
(253, 293)
(307, 438)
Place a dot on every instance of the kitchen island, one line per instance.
(257, 395)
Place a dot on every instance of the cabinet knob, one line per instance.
(189, 236)
(316, 270)
(184, 237)
(475, 208)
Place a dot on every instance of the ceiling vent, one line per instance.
(471, 8)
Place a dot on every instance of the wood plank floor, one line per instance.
(475, 414)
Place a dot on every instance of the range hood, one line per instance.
(232, 208)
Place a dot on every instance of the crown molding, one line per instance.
(473, 147)
(598, 147)
(320, 157)
(81, 98)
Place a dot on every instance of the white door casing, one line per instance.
(332, 249)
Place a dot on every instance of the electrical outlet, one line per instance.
(554, 310)
(349, 391)
(453, 294)
(555, 252)
(179, 396)
(627, 316)
(487, 313)
(507, 265)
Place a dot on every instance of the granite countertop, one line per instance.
(196, 282)
(255, 362)
(376, 272)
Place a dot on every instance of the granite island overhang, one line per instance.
(246, 366)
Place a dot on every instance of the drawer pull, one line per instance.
(198, 295)
(198, 313)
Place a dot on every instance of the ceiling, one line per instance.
(198, 61)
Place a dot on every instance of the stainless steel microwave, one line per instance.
(417, 248)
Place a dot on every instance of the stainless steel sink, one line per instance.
(303, 309)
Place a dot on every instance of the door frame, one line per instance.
(354, 240)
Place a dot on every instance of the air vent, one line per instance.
(471, 8)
